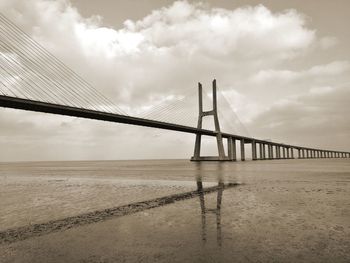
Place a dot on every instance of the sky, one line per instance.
(283, 67)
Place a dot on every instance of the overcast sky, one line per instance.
(283, 66)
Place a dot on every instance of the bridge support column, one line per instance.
(231, 148)
(292, 153)
(277, 152)
(287, 151)
(197, 148)
(261, 151)
(254, 155)
(269, 147)
(242, 150)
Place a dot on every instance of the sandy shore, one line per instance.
(156, 211)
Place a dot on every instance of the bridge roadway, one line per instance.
(38, 106)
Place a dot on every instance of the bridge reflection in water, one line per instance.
(59, 225)
(205, 211)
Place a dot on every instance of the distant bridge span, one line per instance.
(282, 151)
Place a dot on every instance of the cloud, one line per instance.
(328, 42)
(316, 118)
(150, 55)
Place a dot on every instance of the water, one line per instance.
(175, 211)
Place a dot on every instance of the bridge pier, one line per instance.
(231, 149)
(201, 114)
(254, 155)
(269, 151)
(242, 150)
(261, 151)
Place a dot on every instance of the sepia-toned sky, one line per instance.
(283, 65)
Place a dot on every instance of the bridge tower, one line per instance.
(197, 148)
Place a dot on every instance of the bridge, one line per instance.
(33, 79)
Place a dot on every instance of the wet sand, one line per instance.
(175, 211)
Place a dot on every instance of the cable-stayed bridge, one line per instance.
(33, 79)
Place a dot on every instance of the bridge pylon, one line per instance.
(197, 147)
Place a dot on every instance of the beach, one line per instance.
(175, 211)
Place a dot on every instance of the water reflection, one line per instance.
(25, 232)
(205, 211)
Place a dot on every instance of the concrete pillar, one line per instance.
(261, 151)
(299, 153)
(284, 152)
(254, 150)
(264, 151)
(234, 150)
(231, 146)
(278, 153)
(270, 151)
(287, 151)
(242, 150)
(292, 152)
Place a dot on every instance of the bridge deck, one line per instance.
(38, 106)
